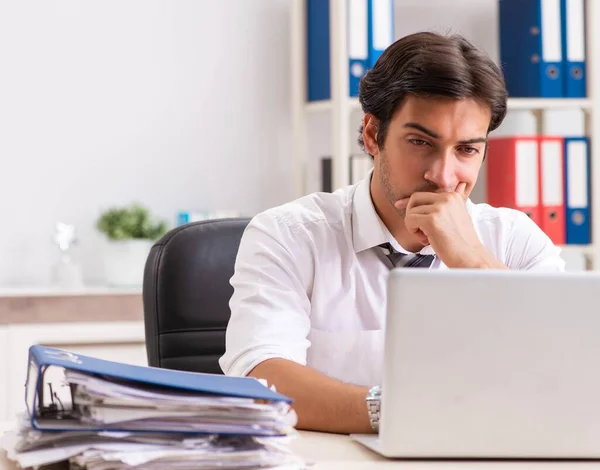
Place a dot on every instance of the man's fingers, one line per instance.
(402, 204)
(415, 223)
(422, 238)
(427, 198)
(425, 209)
(416, 199)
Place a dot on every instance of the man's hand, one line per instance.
(321, 403)
(442, 221)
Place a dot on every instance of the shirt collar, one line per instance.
(367, 227)
(368, 230)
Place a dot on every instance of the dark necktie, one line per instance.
(402, 260)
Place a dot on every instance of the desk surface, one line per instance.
(339, 452)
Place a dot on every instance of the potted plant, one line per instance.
(130, 233)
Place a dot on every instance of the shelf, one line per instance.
(549, 103)
(341, 107)
(325, 105)
(57, 291)
(587, 250)
(513, 103)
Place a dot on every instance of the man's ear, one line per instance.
(370, 129)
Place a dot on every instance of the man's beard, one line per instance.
(392, 193)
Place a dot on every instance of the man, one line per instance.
(308, 308)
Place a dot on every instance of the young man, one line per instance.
(308, 308)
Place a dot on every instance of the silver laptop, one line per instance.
(490, 364)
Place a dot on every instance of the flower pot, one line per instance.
(124, 262)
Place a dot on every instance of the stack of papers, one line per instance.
(126, 450)
(104, 415)
(119, 451)
(103, 404)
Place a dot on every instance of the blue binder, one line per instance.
(573, 44)
(531, 54)
(358, 43)
(318, 54)
(318, 47)
(370, 30)
(381, 28)
(577, 190)
(42, 357)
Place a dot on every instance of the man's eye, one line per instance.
(470, 150)
(418, 142)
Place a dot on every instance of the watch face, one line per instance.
(374, 393)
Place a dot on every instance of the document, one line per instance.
(31, 448)
(103, 415)
(102, 403)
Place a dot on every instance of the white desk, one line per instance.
(338, 452)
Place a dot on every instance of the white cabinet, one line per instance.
(118, 341)
(4, 360)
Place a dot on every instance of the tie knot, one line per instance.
(406, 260)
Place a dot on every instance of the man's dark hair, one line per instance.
(430, 64)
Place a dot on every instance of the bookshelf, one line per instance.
(513, 103)
(340, 107)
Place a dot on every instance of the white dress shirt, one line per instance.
(310, 281)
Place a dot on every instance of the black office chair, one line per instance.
(186, 294)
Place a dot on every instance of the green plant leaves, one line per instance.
(134, 221)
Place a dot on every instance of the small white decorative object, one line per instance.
(66, 272)
(124, 262)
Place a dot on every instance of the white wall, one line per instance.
(477, 20)
(176, 104)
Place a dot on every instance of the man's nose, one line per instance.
(442, 172)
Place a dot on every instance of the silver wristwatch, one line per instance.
(373, 406)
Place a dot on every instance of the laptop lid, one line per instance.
(491, 364)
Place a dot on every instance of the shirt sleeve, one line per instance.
(529, 248)
(270, 306)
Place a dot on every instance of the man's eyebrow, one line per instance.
(430, 133)
(476, 140)
(423, 129)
